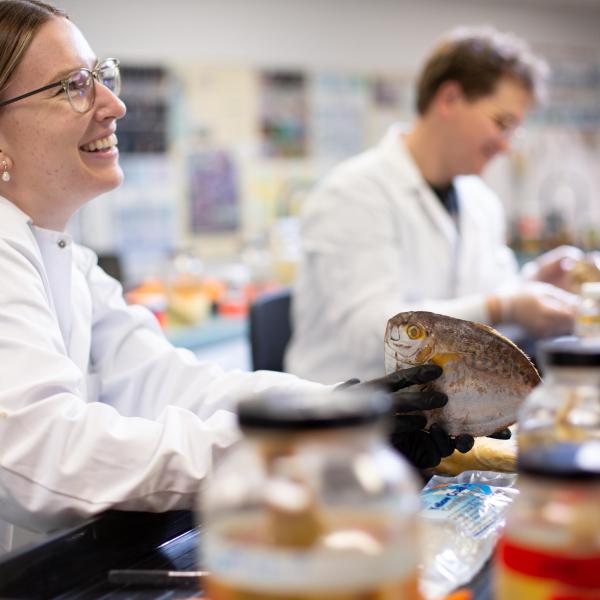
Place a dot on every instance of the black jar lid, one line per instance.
(569, 351)
(564, 461)
(298, 411)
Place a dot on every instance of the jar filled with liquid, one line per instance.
(312, 504)
(565, 407)
(550, 548)
(587, 318)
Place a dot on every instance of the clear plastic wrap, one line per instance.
(461, 520)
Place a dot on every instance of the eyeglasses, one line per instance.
(507, 127)
(80, 85)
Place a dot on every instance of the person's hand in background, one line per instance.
(540, 308)
(555, 267)
(424, 449)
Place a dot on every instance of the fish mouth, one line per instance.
(402, 350)
(398, 345)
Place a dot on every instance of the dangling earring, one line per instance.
(5, 173)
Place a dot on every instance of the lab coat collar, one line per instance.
(15, 210)
(14, 214)
(397, 155)
(53, 248)
(57, 253)
(61, 239)
(15, 225)
(409, 176)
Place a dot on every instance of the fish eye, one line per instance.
(414, 332)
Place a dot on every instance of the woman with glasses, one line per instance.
(97, 409)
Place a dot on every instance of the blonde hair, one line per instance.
(19, 22)
(476, 58)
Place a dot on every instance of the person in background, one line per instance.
(409, 224)
(97, 409)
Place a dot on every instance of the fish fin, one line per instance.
(441, 359)
(496, 333)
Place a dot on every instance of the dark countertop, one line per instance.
(75, 563)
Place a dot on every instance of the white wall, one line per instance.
(369, 35)
(357, 34)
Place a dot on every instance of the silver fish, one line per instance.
(486, 377)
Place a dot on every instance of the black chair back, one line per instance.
(270, 329)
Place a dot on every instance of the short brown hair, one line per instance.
(19, 21)
(476, 58)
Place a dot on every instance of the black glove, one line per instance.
(424, 449)
(503, 434)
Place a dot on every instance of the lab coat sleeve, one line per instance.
(354, 252)
(351, 256)
(140, 372)
(63, 457)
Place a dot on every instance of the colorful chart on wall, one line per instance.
(146, 94)
(217, 104)
(283, 114)
(213, 194)
(338, 107)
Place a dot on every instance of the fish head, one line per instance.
(409, 341)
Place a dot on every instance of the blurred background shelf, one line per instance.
(219, 339)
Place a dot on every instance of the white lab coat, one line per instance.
(97, 409)
(377, 241)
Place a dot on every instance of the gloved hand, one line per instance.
(424, 449)
(503, 434)
(541, 309)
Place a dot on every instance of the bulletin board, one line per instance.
(222, 152)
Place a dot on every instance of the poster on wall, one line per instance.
(275, 192)
(144, 218)
(213, 192)
(339, 105)
(392, 100)
(218, 104)
(574, 94)
(283, 114)
(144, 129)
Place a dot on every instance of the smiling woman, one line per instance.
(97, 409)
(57, 91)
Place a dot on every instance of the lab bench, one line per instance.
(222, 340)
(215, 330)
(75, 564)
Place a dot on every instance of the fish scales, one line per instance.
(486, 376)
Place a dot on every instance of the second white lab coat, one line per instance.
(377, 241)
(97, 409)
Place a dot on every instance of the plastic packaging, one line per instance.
(550, 548)
(461, 520)
(565, 407)
(312, 504)
(587, 319)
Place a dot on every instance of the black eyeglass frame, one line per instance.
(64, 82)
